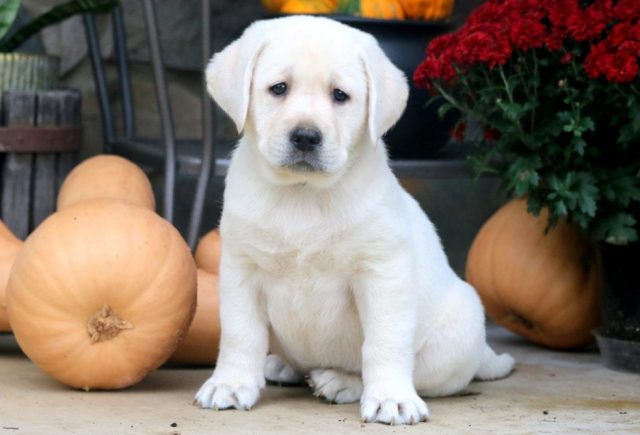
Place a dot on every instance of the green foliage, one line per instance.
(569, 143)
(8, 12)
(348, 7)
(54, 16)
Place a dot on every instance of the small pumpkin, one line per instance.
(308, 6)
(427, 9)
(9, 247)
(208, 252)
(106, 176)
(101, 293)
(273, 5)
(545, 287)
(382, 9)
(200, 345)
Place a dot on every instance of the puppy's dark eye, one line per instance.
(278, 89)
(340, 96)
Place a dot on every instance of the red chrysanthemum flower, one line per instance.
(527, 33)
(626, 9)
(496, 29)
(620, 67)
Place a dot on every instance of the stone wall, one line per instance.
(458, 207)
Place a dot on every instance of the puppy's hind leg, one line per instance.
(335, 386)
(276, 370)
(494, 366)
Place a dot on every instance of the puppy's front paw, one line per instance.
(222, 394)
(404, 407)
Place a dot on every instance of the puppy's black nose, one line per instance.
(305, 138)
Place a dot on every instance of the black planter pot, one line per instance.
(619, 336)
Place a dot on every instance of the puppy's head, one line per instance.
(308, 92)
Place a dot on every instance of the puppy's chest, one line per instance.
(310, 272)
(310, 304)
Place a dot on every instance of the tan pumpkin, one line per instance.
(9, 247)
(101, 293)
(308, 6)
(208, 252)
(543, 287)
(427, 9)
(200, 345)
(109, 177)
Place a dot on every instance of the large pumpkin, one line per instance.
(101, 293)
(543, 287)
(106, 177)
(200, 345)
(208, 252)
(9, 247)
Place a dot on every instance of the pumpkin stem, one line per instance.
(105, 324)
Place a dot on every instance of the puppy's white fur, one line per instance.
(336, 270)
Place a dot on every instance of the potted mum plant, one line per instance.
(555, 89)
(25, 71)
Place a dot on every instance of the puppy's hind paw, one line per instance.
(494, 366)
(335, 386)
(276, 370)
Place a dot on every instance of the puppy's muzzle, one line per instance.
(304, 156)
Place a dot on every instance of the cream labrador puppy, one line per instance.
(326, 261)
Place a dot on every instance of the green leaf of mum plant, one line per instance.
(8, 12)
(55, 15)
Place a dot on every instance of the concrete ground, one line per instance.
(550, 392)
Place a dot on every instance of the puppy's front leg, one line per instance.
(387, 308)
(239, 374)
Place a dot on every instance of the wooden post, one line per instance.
(70, 113)
(32, 177)
(19, 110)
(44, 189)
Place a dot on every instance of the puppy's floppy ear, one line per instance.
(230, 71)
(387, 88)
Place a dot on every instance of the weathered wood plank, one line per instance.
(44, 187)
(70, 114)
(19, 108)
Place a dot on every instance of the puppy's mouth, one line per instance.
(303, 162)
